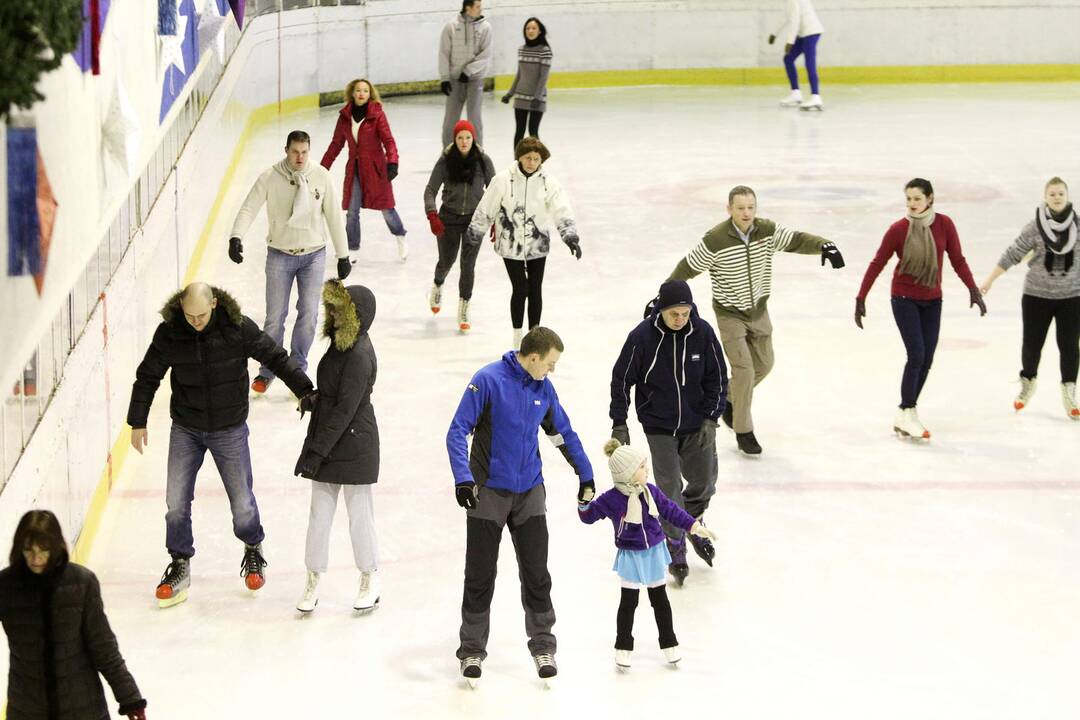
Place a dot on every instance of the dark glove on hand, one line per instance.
(139, 714)
(860, 312)
(463, 77)
(621, 433)
(492, 233)
(506, 98)
(976, 299)
(445, 87)
(344, 267)
(436, 223)
(134, 711)
(586, 491)
(787, 49)
(236, 250)
(574, 244)
(307, 403)
(466, 495)
(772, 39)
(309, 465)
(391, 171)
(706, 436)
(831, 253)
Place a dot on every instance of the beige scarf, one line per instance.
(633, 507)
(919, 256)
(302, 217)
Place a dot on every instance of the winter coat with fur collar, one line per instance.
(209, 375)
(343, 429)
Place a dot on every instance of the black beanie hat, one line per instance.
(674, 292)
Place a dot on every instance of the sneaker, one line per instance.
(310, 598)
(367, 596)
(793, 99)
(678, 567)
(814, 103)
(1027, 389)
(251, 567)
(173, 588)
(435, 298)
(748, 443)
(622, 660)
(260, 384)
(517, 339)
(402, 248)
(1068, 399)
(702, 546)
(545, 665)
(463, 316)
(470, 670)
(672, 654)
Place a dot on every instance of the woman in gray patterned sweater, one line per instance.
(1051, 291)
(529, 89)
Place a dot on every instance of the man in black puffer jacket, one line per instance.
(676, 363)
(206, 342)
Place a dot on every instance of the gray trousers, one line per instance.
(464, 95)
(674, 458)
(523, 513)
(361, 509)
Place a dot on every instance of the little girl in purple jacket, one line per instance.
(633, 507)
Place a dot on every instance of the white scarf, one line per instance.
(633, 506)
(302, 217)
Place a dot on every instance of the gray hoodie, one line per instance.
(465, 47)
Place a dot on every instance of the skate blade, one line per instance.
(548, 683)
(175, 600)
(472, 683)
(818, 108)
(622, 668)
(304, 612)
(674, 664)
(366, 610)
(464, 329)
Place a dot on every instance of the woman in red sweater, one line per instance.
(920, 241)
(372, 165)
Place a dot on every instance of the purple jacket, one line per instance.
(630, 536)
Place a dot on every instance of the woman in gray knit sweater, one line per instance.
(529, 89)
(1051, 291)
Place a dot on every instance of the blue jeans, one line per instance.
(919, 322)
(352, 217)
(231, 454)
(808, 46)
(281, 270)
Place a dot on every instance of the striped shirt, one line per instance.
(530, 83)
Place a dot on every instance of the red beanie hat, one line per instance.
(464, 125)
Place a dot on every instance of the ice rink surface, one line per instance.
(857, 575)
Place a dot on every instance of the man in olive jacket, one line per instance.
(206, 342)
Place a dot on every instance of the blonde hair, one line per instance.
(375, 97)
(1055, 181)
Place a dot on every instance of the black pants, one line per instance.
(624, 620)
(451, 240)
(1038, 313)
(527, 280)
(523, 117)
(919, 322)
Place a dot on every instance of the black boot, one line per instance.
(748, 443)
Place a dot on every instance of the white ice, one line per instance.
(857, 575)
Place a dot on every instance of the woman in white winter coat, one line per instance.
(524, 203)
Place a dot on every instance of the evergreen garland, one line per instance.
(34, 37)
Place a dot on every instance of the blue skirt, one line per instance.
(643, 568)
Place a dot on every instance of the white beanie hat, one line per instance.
(623, 460)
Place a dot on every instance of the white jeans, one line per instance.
(361, 509)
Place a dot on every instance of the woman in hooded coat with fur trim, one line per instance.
(341, 452)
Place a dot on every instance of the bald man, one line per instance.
(206, 341)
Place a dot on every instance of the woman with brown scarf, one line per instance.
(920, 241)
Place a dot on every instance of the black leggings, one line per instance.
(533, 118)
(624, 620)
(527, 280)
(1038, 313)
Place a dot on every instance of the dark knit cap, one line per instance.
(674, 292)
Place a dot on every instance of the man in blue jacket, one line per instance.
(499, 482)
(676, 364)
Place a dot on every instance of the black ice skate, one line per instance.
(173, 588)
(748, 443)
(251, 567)
(703, 547)
(545, 667)
(470, 670)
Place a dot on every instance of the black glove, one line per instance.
(391, 171)
(236, 250)
(309, 465)
(787, 48)
(574, 244)
(586, 491)
(506, 98)
(344, 267)
(621, 433)
(831, 253)
(976, 299)
(463, 77)
(466, 495)
(445, 87)
(307, 403)
(860, 312)
(772, 39)
(706, 436)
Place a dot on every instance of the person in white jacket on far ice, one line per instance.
(464, 62)
(800, 32)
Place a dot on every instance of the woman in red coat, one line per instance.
(372, 165)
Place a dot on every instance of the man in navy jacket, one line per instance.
(499, 482)
(676, 364)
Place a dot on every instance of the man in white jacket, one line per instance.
(464, 62)
(800, 32)
(300, 204)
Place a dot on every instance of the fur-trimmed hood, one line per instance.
(345, 328)
(171, 311)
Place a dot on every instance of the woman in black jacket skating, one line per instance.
(341, 451)
(58, 635)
